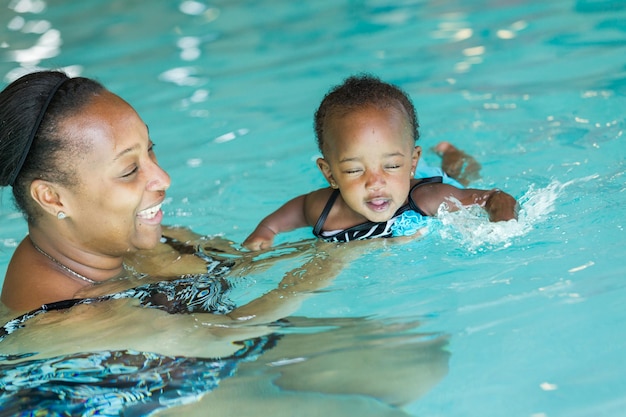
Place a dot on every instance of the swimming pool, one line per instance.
(535, 90)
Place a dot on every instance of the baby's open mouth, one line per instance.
(378, 204)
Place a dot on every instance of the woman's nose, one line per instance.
(159, 179)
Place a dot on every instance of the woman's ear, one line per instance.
(325, 168)
(47, 196)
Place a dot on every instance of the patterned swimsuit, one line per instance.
(408, 218)
(125, 382)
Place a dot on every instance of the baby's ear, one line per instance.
(325, 168)
(417, 153)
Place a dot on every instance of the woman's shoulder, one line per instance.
(29, 282)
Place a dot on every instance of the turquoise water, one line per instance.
(534, 90)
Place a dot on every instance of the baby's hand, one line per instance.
(261, 238)
(501, 206)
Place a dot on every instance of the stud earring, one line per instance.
(333, 184)
(61, 215)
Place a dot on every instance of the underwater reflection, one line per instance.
(113, 358)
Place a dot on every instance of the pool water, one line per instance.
(531, 312)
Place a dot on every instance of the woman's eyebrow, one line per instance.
(125, 151)
(132, 148)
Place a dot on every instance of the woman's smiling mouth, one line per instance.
(149, 213)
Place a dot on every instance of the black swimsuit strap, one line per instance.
(412, 204)
(181, 247)
(317, 229)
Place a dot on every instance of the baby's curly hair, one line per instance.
(358, 91)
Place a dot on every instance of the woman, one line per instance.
(84, 173)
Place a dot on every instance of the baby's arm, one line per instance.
(288, 217)
(499, 205)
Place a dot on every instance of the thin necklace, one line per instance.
(66, 268)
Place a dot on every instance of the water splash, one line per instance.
(471, 229)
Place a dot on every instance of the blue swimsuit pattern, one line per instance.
(115, 383)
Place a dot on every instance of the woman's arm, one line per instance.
(297, 285)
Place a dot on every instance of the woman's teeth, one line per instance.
(149, 213)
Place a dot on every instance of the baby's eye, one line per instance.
(352, 171)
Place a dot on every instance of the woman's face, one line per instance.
(116, 207)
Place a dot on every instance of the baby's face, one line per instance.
(371, 155)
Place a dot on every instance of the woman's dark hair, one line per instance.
(31, 145)
(358, 91)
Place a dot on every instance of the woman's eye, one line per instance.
(131, 172)
(151, 152)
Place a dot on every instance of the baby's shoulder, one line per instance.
(315, 202)
(322, 194)
(428, 196)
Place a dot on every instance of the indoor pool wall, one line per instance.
(534, 90)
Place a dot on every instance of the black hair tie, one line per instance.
(33, 132)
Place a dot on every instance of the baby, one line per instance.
(366, 130)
